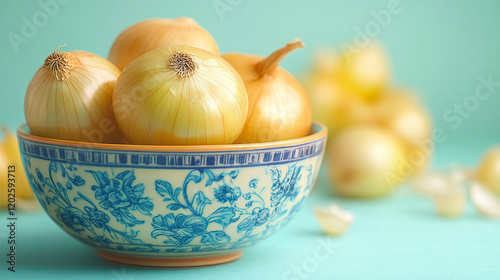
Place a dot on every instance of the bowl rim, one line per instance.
(318, 131)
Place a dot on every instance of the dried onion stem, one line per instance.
(272, 61)
(183, 64)
(60, 64)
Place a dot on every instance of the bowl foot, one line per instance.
(168, 263)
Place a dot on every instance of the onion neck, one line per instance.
(183, 64)
(59, 64)
(272, 61)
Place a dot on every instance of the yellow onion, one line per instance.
(364, 161)
(70, 98)
(327, 103)
(488, 172)
(151, 34)
(401, 113)
(3, 177)
(332, 102)
(180, 95)
(334, 106)
(365, 71)
(278, 108)
(10, 156)
(326, 64)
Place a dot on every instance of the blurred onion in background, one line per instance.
(353, 94)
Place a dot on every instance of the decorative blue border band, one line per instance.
(171, 159)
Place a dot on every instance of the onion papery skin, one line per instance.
(151, 34)
(279, 107)
(154, 105)
(77, 107)
(364, 161)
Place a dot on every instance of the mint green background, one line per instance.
(438, 48)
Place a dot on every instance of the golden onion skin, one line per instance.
(156, 103)
(365, 161)
(69, 98)
(10, 156)
(366, 71)
(151, 34)
(401, 113)
(279, 107)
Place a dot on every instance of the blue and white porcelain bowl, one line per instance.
(171, 206)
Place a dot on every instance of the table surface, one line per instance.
(396, 237)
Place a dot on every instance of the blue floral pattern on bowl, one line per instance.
(170, 204)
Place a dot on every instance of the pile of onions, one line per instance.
(170, 86)
(70, 98)
(151, 34)
(366, 71)
(180, 95)
(352, 90)
(279, 108)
